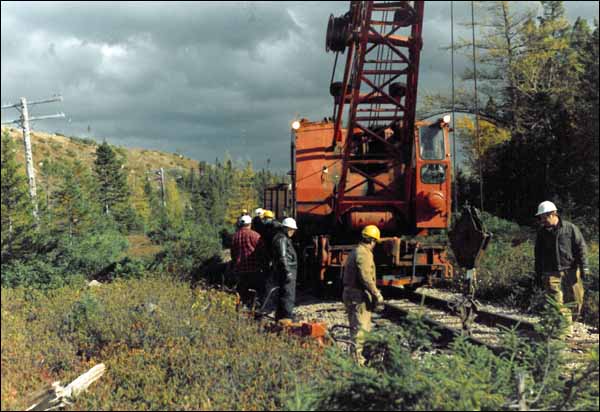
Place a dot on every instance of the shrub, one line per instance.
(196, 246)
(37, 274)
(90, 253)
(126, 268)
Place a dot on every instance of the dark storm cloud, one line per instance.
(199, 78)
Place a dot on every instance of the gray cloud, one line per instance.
(201, 78)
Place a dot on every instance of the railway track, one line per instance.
(442, 315)
(449, 325)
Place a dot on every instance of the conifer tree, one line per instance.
(17, 221)
(243, 195)
(112, 190)
(75, 210)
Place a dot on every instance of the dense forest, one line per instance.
(87, 214)
(537, 80)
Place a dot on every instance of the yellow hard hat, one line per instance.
(371, 231)
(268, 214)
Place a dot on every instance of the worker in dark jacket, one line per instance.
(361, 296)
(285, 269)
(246, 256)
(560, 259)
(257, 223)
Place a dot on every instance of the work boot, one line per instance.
(567, 333)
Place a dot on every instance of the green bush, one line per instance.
(37, 274)
(90, 253)
(57, 260)
(126, 268)
(196, 245)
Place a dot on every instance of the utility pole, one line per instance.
(161, 177)
(162, 185)
(23, 121)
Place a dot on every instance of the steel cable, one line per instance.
(479, 154)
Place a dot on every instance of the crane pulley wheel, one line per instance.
(405, 16)
(335, 89)
(338, 30)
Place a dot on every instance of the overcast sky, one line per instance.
(200, 78)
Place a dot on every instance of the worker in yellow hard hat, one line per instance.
(267, 227)
(361, 295)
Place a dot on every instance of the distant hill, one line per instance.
(57, 147)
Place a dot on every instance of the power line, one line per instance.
(455, 188)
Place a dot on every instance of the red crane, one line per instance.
(374, 163)
(380, 80)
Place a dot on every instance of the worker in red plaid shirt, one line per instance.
(247, 253)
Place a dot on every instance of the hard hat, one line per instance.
(289, 222)
(245, 220)
(546, 207)
(371, 231)
(267, 214)
(259, 212)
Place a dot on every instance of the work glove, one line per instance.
(379, 307)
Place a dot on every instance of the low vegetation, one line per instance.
(403, 375)
(165, 346)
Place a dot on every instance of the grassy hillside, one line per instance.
(58, 147)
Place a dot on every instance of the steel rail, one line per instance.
(482, 316)
(446, 336)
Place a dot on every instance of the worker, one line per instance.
(257, 223)
(267, 230)
(560, 259)
(361, 295)
(246, 251)
(285, 270)
(270, 226)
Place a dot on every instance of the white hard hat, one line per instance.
(259, 212)
(245, 220)
(289, 222)
(546, 207)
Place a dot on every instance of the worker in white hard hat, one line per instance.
(285, 270)
(257, 220)
(560, 260)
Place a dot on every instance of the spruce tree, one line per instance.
(113, 192)
(75, 211)
(18, 226)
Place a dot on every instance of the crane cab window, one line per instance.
(431, 142)
(433, 173)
